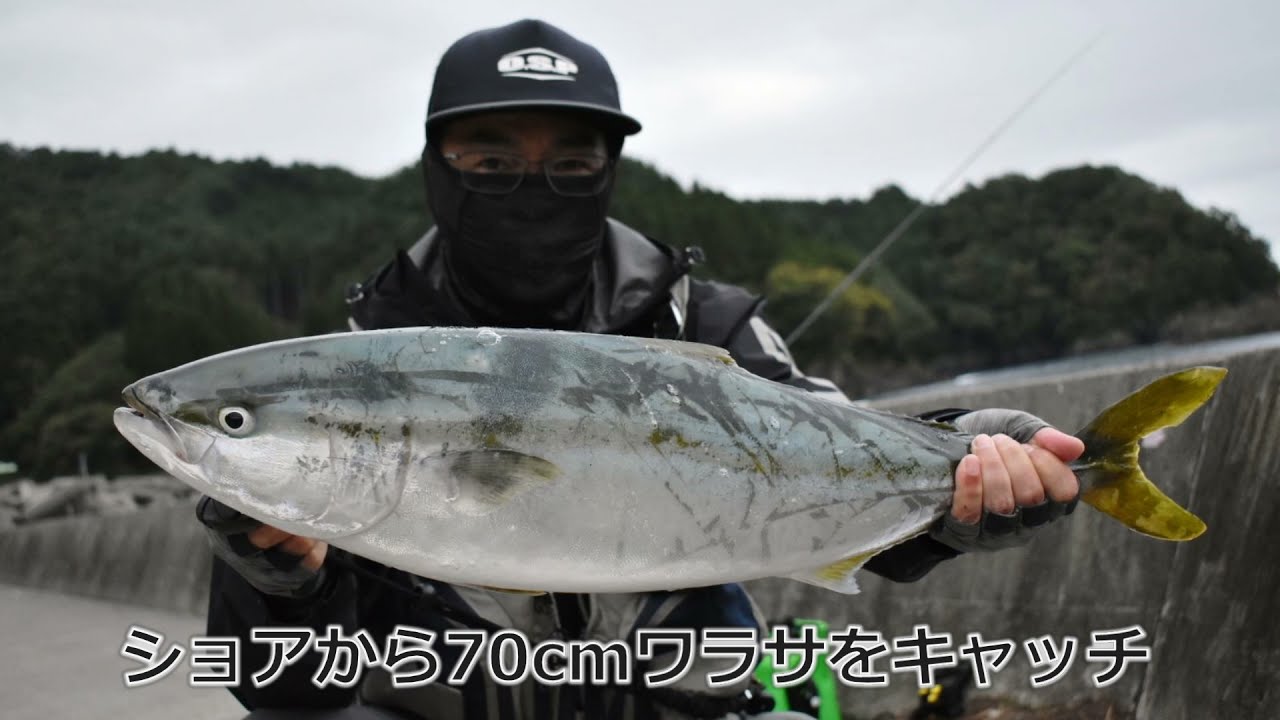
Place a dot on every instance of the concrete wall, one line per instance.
(157, 557)
(1209, 606)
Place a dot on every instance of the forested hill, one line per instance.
(115, 267)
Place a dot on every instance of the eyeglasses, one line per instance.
(499, 173)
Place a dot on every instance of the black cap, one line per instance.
(526, 64)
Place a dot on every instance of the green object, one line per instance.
(823, 681)
(8, 467)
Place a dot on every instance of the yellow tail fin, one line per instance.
(1110, 478)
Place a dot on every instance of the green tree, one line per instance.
(184, 314)
(71, 413)
(859, 322)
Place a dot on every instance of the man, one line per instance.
(524, 131)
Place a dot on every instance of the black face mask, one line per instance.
(520, 259)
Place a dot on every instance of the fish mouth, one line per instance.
(140, 409)
(143, 420)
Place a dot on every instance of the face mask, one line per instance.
(523, 258)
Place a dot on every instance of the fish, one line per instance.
(550, 461)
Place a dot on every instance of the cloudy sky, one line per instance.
(796, 99)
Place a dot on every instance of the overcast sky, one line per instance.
(795, 99)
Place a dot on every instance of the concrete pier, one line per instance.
(64, 662)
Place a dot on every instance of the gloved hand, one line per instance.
(281, 568)
(1035, 468)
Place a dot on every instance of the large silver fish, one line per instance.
(542, 460)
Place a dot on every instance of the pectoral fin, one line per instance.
(485, 479)
(838, 576)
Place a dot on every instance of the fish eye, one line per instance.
(235, 421)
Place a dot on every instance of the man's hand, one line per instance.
(1014, 480)
(1002, 474)
(268, 558)
(312, 551)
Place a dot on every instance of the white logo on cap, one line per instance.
(538, 64)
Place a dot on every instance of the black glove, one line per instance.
(272, 571)
(995, 531)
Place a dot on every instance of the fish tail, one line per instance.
(1110, 477)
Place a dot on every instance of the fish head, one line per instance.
(268, 431)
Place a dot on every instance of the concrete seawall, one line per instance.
(1208, 607)
(156, 558)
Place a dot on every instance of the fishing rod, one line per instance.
(901, 228)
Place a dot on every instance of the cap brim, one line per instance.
(618, 121)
